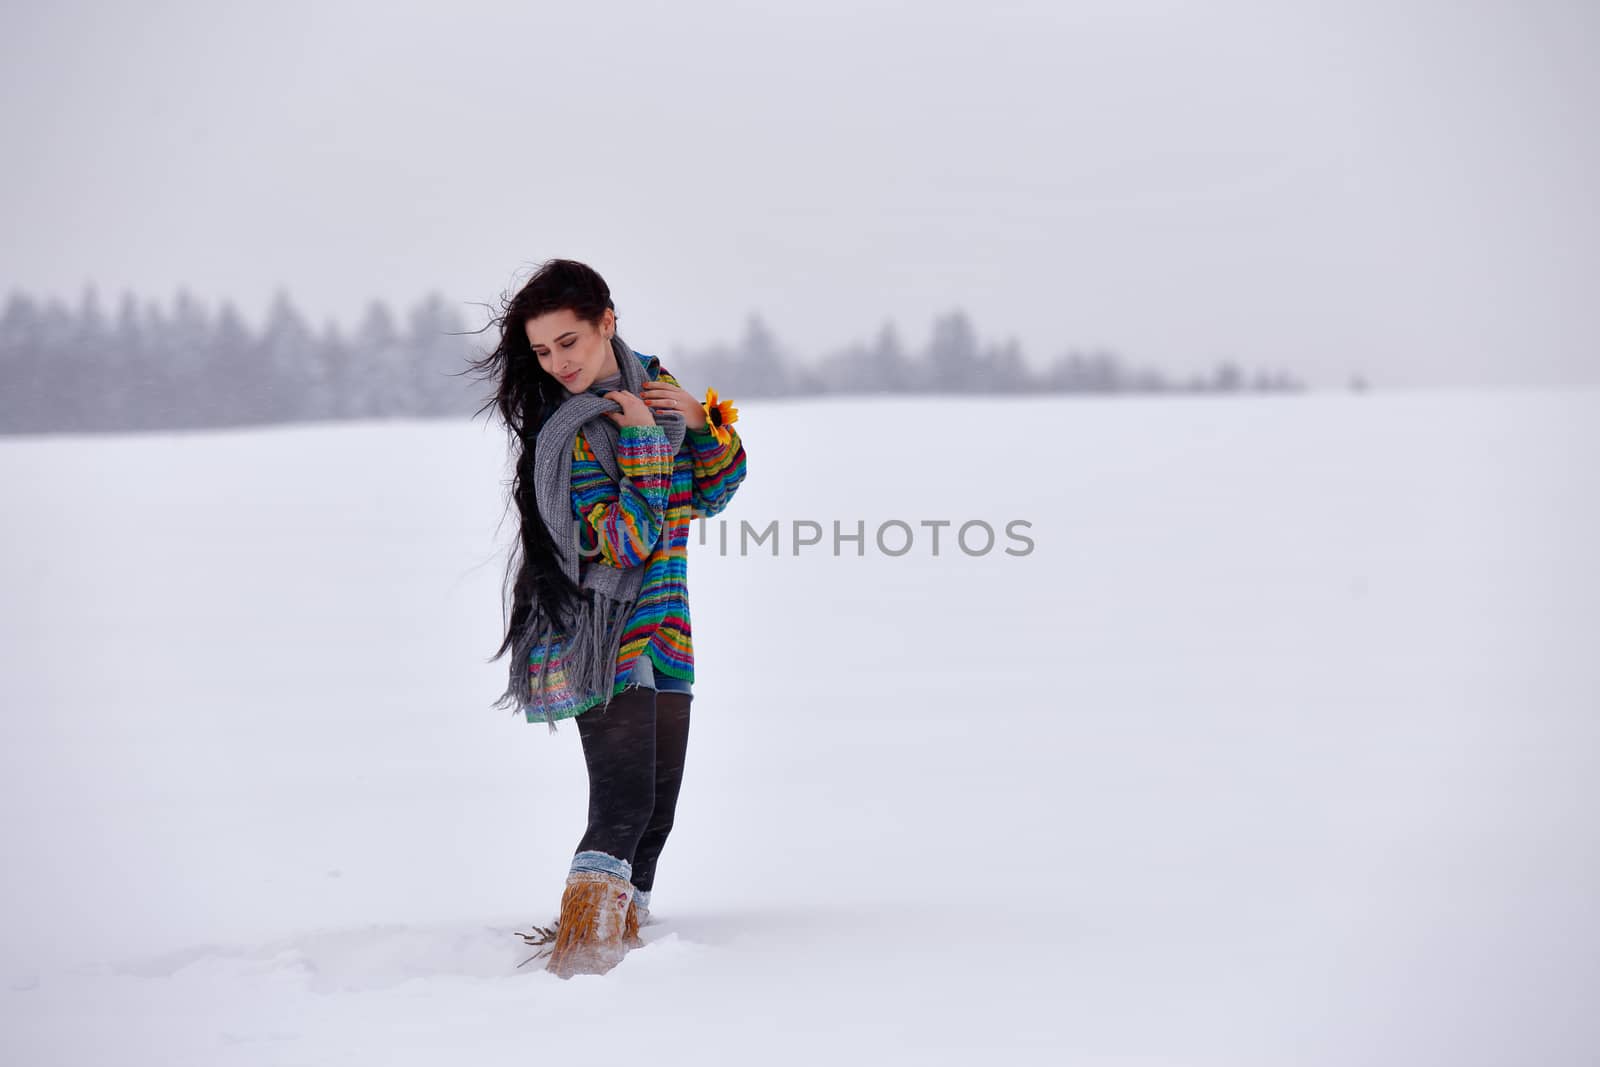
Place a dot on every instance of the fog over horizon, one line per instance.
(1395, 192)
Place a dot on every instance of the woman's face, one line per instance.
(572, 351)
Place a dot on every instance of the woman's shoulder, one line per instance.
(653, 369)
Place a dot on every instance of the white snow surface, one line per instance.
(1279, 747)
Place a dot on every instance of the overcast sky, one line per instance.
(1398, 188)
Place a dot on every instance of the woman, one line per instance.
(615, 459)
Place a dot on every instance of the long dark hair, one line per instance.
(525, 396)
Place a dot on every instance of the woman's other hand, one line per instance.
(668, 395)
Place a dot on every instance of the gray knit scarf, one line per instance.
(593, 640)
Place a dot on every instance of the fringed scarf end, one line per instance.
(597, 644)
(548, 671)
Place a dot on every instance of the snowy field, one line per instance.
(1279, 747)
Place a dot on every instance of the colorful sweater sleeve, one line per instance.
(623, 523)
(718, 469)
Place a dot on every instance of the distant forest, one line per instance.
(145, 367)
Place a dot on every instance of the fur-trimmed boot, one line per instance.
(594, 910)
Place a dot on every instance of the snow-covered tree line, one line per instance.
(144, 366)
(954, 361)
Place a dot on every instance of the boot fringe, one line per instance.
(544, 937)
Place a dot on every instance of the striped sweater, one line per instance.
(646, 520)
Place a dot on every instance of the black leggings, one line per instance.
(635, 749)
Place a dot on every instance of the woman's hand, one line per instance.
(633, 413)
(666, 395)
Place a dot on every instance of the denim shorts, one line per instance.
(644, 673)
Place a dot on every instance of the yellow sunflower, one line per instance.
(719, 416)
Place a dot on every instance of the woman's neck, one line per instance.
(610, 369)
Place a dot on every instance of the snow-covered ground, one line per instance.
(1279, 747)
